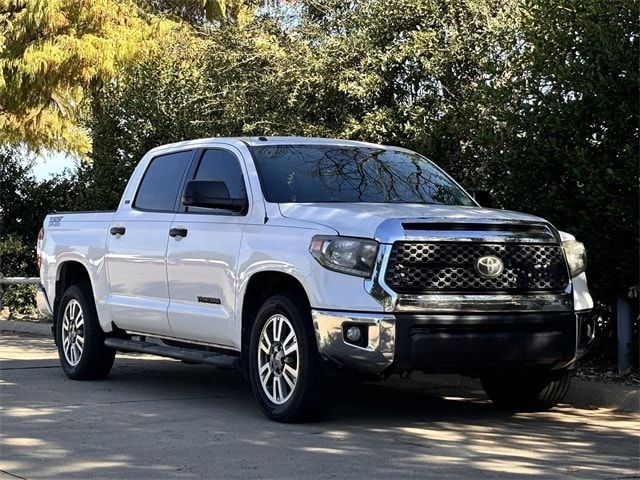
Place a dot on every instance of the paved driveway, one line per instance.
(157, 419)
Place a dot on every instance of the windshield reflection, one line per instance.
(329, 173)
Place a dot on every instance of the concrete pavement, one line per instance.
(156, 419)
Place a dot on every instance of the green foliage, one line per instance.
(229, 11)
(564, 143)
(233, 81)
(20, 299)
(160, 101)
(198, 12)
(15, 259)
(24, 202)
(54, 54)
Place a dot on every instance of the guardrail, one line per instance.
(16, 281)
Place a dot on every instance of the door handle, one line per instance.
(117, 230)
(178, 232)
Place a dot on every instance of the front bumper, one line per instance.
(373, 353)
(460, 343)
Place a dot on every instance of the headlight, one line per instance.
(354, 256)
(576, 256)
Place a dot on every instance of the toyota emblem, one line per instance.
(489, 266)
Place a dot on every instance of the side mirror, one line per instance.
(483, 197)
(211, 194)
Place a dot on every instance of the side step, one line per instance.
(190, 355)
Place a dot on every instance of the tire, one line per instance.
(311, 396)
(80, 338)
(526, 390)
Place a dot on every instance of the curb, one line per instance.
(583, 394)
(593, 394)
(25, 327)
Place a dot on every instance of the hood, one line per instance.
(365, 219)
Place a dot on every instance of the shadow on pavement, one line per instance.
(155, 418)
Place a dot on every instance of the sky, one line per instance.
(50, 163)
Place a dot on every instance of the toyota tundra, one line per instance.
(299, 260)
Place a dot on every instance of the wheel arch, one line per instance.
(260, 286)
(70, 272)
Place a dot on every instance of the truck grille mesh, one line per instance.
(418, 267)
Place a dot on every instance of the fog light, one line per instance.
(354, 334)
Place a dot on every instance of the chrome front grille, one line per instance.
(427, 267)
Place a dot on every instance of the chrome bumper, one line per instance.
(375, 353)
(451, 343)
(42, 302)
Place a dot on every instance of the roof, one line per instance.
(259, 141)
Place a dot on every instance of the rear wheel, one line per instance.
(80, 339)
(285, 367)
(527, 390)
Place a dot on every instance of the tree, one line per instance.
(199, 12)
(229, 81)
(52, 53)
(24, 202)
(55, 55)
(564, 144)
(408, 73)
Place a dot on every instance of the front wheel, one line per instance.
(80, 339)
(285, 367)
(526, 390)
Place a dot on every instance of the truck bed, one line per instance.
(79, 237)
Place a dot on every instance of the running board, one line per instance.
(190, 355)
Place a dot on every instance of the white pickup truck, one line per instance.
(300, 260)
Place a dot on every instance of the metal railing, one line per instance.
(16, 281)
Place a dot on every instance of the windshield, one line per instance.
(331, 173)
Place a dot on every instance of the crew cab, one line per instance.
(299, 260)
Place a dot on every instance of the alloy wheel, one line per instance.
(73, 332)
(278, 359)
